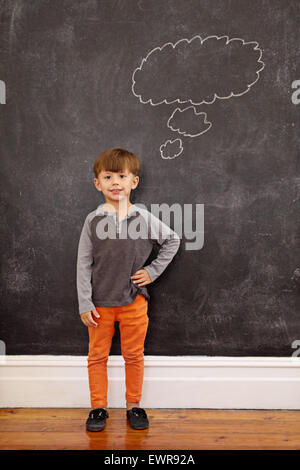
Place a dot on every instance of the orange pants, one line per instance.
(133, 324)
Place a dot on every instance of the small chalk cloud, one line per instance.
(188, 122)
(171, 149)
(196, 71)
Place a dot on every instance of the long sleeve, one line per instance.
(169, 242)
(84, 269)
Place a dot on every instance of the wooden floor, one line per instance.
(189, 429)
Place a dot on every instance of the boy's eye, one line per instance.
(108, 176)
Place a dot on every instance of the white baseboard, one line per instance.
(169, 382)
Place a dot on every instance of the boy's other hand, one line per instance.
(87, 318)
(141, 277)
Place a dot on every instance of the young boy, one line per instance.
(111, 280)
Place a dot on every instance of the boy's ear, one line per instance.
(97, 184)
(136, 182)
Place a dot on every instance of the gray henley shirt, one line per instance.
(110, 251)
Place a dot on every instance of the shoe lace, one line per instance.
(139, 412)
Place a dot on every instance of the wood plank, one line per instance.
(40, 428)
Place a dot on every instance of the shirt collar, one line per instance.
(133, 210)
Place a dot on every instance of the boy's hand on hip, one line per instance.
(87, 318)
(141, 277)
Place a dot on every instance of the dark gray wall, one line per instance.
(68, 67)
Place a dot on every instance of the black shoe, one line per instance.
(138, 418)
(96, 419)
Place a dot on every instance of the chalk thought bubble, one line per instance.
(196, 71)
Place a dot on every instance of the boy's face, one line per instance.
(116, 186)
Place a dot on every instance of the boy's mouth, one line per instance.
(116, 191)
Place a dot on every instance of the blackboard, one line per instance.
(206, 94)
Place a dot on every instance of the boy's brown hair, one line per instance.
(116, 159)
